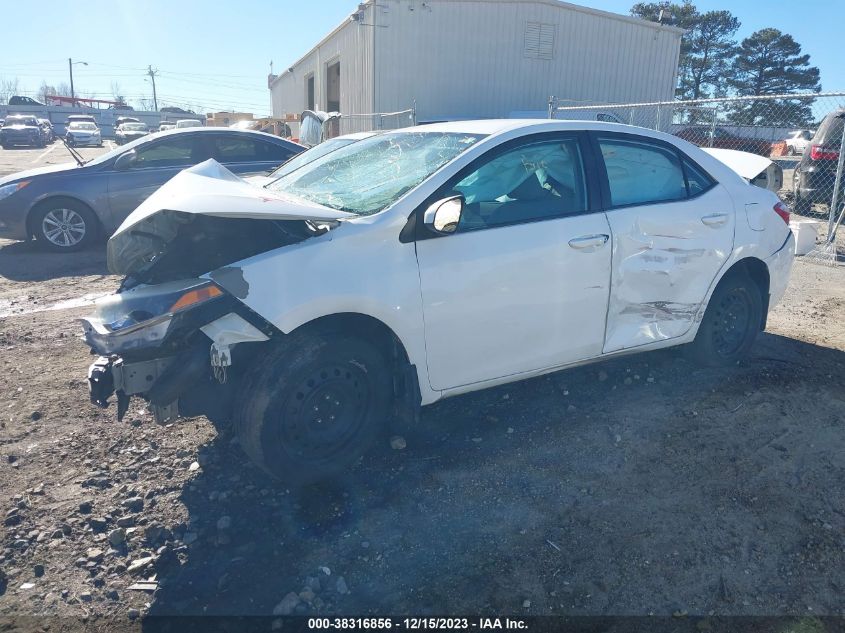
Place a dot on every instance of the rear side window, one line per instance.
(174, 152)
(242, 150)
(642, 173)
(697, 180)
(830, 131)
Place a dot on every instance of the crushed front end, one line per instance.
(170, 344)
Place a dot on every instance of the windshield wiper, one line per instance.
(76, 155)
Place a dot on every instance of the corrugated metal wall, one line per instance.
(477, 58)
(353, 45)
(485, 58)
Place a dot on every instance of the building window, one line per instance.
(539, 40)
(309, 92)
(333, 87)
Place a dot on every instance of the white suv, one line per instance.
(425, 263)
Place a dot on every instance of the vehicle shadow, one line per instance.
(620, 487)
(27, 261)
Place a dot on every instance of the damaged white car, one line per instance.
(424, 263)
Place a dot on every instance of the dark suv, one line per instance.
(815, 175)
(21, 129)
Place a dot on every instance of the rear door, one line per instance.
(244, 155)
(673, 229)
(156, 163)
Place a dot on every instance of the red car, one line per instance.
(705, 136)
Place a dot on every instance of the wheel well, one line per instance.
(757, 270)
(405, 378)
(30, 218)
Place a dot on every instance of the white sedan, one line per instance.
(424, 263)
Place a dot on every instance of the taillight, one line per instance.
(820, 152)
(783, 211)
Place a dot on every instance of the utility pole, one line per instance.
(70, 64)
(70, 68)
(152, 73)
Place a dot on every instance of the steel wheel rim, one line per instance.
(63, 227)
(324, 412)
(730, 323)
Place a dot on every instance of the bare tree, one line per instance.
(8, 88)
(63, 90)
(116, 92)
(45, 91)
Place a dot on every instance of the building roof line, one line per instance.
(553, 3)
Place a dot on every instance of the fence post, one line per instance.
(713, 125)
(835, 202)
(551, 107)
(657, 127)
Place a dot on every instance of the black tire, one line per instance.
(74, 211)
(730, 324)
(313, 406)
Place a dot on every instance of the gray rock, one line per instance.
(133, 614)
(140, 564)
(224, 523)
(85, 596)
(117, 537)
(95, 555)
(126, 522)
(86, 507)
(287, 605)
(313, 583)
(341, 586)
(38, 570)
(397, 443)
(134, 504)
(98, 524)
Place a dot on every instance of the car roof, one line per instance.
(497, 126)
(220, 130)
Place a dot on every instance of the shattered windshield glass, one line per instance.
(367, 176)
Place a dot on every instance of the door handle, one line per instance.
(715, 219)
(589, 241)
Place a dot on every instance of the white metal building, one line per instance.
(479, 58)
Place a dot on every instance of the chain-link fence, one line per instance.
(351, 123)
(803, 133)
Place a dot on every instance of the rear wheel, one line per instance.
(313, 406)
(731, 322)
(64, 225)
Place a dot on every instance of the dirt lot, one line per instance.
(638, 486)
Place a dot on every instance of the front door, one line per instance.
(523, 283)
(155, 163)
(673, 229)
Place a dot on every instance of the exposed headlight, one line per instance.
(139, 305)
(8, 190)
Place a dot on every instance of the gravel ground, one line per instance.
(644, 485)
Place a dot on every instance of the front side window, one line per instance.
(171, 153)
(365, 177)
(531, 182)
(642, 173)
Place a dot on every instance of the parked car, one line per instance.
(18, 100)
(129, 132)
(176, 110)
(798, 141)
(80, 133)
(81, 118)
(307, 156)
(814, 177)
(188, 123)
(21, 129)
(167, 125)
(66, 206)
(424, 263)
(124, 119)
(47, 130)
(120, 106)
(705, 136)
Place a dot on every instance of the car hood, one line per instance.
(18, 128)
(259, 181)
(38, 171)
(205, 189)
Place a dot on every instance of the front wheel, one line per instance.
(313, 406)
(730, 324)
(64, 225)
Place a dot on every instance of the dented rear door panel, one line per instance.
(665, 257)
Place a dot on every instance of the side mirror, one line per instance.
(444, 215)
(125, 161)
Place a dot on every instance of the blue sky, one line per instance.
(219, 58)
